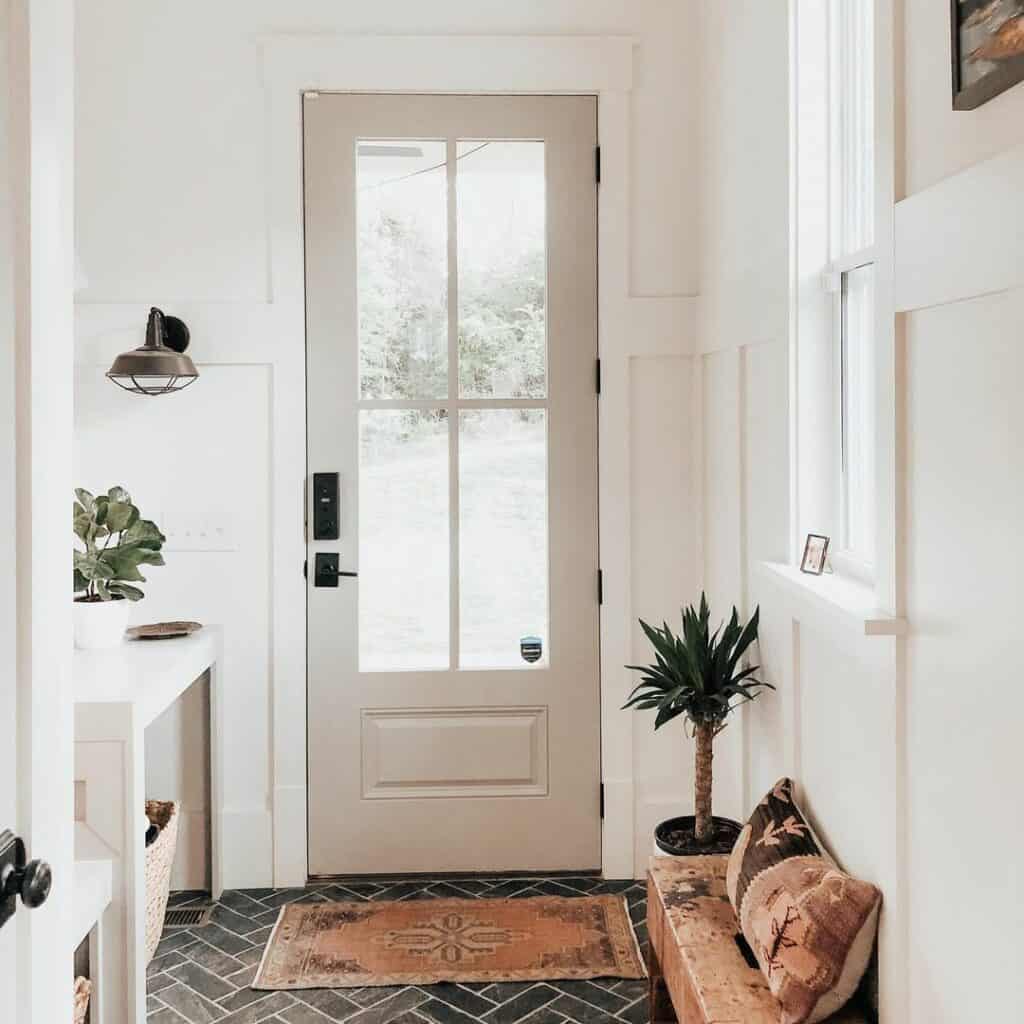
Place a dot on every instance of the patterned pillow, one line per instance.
(810, 925)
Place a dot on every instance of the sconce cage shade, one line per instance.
(160, 366)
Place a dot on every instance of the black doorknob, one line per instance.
(29, 881)
(32, 883)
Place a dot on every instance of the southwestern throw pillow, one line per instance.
(810, 925)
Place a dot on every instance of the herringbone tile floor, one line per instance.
(202, 975)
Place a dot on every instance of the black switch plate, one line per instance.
(326, 511)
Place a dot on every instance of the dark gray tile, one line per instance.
(302, 1013)
(513, 887)
(165, 1016)
(259, 938)
(462, 999)
(333, 1004)
(593, 994)
(444, 1013)
(191, 1005)
(272, 1003)
(243, 978)
(242, 997)
(579, 1011)
(636, 1013)
(201, 980)
(250, 956)
(225, 941)
(523, 1004)
(391, 1008)
(214, 960)
(256, 894)
(155, 982)
(552, 887)
(545, 1015)
(240, 903)
(185, 896)
(160, 963)
(372, 993)
(280, 897)
(232, 921)
(503, 991)
(174, 940)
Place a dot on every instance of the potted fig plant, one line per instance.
(117, 541)
(701, 676)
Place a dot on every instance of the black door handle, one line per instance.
(326, 571)
(20, 877)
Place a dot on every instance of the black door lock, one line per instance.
(326, 571)
(326, 513)
(31, 881)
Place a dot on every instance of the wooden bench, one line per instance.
(698, 972)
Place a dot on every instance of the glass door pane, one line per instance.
(502, 269)
(402, 258)
(403, 540)
(503, 530)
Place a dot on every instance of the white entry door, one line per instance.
(451, 287)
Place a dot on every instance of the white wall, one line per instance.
(907, 750)
(172, 210)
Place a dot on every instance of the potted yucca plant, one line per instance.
(117, 541)
(700, 676)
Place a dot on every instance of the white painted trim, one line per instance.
(36, 339)
(503, 64)
(963, 237)
(841, 599)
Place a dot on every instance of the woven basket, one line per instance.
(83, 989)
(159, 858)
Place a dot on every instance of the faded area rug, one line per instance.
(423, 942)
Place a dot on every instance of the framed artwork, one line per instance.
(988, 49)
(815, 554)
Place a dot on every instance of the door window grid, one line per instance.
(525, 409)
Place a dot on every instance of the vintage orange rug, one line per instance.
(423, 942)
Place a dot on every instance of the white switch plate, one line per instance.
(213, 534)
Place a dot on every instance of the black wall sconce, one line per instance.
(160, 366)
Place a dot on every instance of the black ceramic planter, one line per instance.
(676, 837)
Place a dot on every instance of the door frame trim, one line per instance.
(514, 65)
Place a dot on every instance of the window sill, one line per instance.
(844, 598)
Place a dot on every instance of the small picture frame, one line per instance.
(815, 554)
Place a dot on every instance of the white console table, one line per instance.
(118, 693)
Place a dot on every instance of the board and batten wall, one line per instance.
(907, 749)
(172, 186)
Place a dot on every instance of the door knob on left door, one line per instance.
(29, 880)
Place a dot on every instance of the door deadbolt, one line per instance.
(326, 571)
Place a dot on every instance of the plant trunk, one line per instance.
(704, 830)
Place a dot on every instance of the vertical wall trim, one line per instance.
(796, 702)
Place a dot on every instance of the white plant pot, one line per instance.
(100, 624)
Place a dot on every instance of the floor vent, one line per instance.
(187, 917)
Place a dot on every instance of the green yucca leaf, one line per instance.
(697, 673)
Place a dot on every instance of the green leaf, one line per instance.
(80, 582)
(143, 533)
(85, 499)
(127, 591)
(120, 516)
(119, 494)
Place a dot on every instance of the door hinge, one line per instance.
(597, 376)
(600, 586)
(597, 164)
(305, 569)
(601, 800)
